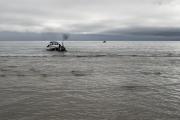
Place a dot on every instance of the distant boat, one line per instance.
(55, 46)
(104, 41)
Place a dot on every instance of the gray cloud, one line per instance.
(163, 2)
(132, 17)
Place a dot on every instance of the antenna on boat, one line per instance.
(64, 37)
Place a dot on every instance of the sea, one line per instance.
(116, 80)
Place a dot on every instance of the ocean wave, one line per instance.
(88, 56)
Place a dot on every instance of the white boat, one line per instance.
(52, 46)
(55, 46)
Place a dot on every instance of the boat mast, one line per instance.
(64, 37)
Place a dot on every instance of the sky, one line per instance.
(108, 17)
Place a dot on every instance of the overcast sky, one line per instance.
(88, 16)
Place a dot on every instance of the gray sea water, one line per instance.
(92, 81)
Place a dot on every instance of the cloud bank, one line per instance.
(156, 17)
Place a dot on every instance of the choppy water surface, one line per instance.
(92, 81)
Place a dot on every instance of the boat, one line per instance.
(55, 46)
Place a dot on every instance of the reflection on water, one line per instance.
(92, 81)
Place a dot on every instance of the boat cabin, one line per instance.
(53, 43)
